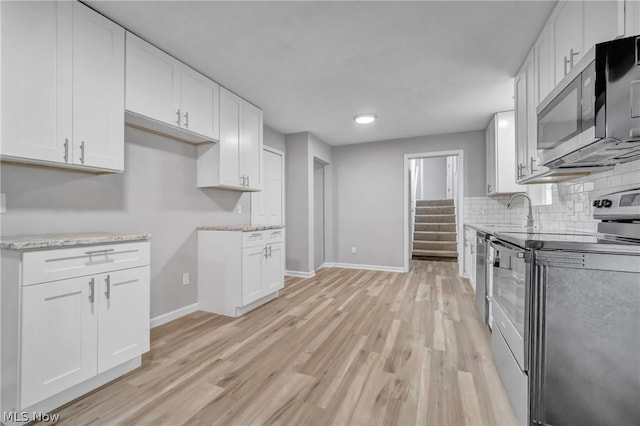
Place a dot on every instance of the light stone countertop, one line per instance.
(241, 228)
(498, 228)
(38, 241)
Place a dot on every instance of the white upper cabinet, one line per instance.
(603, 21)
(501, 176)
(543, 61)
(165, 95)
(567, 26)
(152, 82)
(199, 103)
(251, 157)
(98, 95)
(62, 86)
(236, 161)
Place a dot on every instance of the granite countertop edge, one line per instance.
(39, 241)
(494, 229)
(239, 228)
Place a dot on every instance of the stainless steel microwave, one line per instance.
(592, 118)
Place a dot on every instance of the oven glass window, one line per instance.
(561, 119)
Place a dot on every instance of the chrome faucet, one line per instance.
(530, 221)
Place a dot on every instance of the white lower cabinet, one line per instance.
(239, 271)
(57, 335)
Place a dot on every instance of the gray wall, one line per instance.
(303, 149)
(156, 194)
(297, 202)
(273, 138)
(368, 186)
(318, 213)
(433, 185)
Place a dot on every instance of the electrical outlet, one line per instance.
(570, 208)
(353, 250)
(185, 278)
(239, 208)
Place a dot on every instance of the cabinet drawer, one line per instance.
(58, 264)
(256, 238)
(511, 335)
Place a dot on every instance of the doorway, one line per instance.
(436, 180)
(318, 214)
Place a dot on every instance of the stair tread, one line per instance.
(435, 251)
(436, 232)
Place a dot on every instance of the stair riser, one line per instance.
(434, 236)
(435, 210)
(436, 219)
(424, 245)
(431, 253)
(435, 227)
(434, 203)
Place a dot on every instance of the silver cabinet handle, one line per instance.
(566, 62)
(186, 119)
(248, 184)
(270, 251)
(533, 169)
(82, 152)
(99, 251)
(107, 281)
(178, 116)
(92, 290)
(66, 150)
(572, 55)
(265, 252)
(488, 188)
(241, 179)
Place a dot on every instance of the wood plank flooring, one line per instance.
(347, 347)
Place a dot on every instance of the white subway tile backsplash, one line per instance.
(574, 196)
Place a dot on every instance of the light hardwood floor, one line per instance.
(347, 347)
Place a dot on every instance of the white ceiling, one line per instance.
(422, 67)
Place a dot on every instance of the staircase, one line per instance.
(434, 233)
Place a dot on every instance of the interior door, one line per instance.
(266, 205)
(230, 116)
(198, 97)
(274, 268)
(36, 80)
(250, 160)
(59, 340)
(123, 326)
(253, 260)
(98, 90)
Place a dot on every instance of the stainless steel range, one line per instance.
(568, 320)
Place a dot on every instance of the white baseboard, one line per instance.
(365, 267)
(170, 316)
(300, 274)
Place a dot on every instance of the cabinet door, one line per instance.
(521, 121)
(253, 260)
(490, 136)
(251, 156)
(543, 65)
(36, 80)
(98, 90)
(59, 340)
(274, 268)
(567, 24)
(153, 82)
(123, 325)
(505, 147)
(230, 116)
(199, 103)
(532, 119)
(603, 21)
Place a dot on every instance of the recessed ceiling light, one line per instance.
(365, 118)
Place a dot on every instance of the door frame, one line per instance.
(459, 203)
(253, 194)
